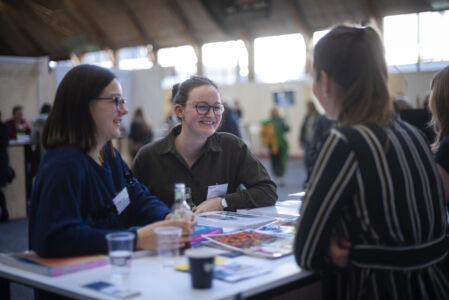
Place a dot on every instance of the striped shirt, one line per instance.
(380, 190)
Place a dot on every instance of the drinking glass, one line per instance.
(120, 246)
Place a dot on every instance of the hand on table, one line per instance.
(146, 237)
(212, 204)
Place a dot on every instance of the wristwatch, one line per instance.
(223, 202)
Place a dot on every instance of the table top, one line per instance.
(153, 280)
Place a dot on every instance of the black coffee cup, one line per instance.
(201, 262)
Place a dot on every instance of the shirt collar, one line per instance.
(168, 145)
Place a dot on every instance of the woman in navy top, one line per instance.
(83, 189)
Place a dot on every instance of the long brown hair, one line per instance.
(439, 105)
(354, 58)
(70, 121)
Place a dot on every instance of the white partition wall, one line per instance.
(29, 82)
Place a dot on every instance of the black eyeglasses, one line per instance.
(203, 108)
(118, 101)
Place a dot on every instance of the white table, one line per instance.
(155, 281)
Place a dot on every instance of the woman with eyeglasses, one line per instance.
(83, 189)
(374, 211)
(213, 164)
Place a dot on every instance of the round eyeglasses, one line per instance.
(203, 108)
(118, 101)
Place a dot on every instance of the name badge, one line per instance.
(217, 190)
(121, 201)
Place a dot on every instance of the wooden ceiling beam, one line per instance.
(248, 40)
(143, 35)
(306, 32)
(183, 23)
(303, 28)
(214, 19)
(371, 14)
(78, 9)
(78, 19)
(186, 28)
(13, 18)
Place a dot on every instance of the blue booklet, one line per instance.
(201, 230)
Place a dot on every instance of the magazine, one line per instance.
(254, 243)
(282, 227)
(232, 220)
(30, 261)
(200, 230)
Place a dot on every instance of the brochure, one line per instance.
(254, 243)
(296, 196)
(282, 227)
(232, 271)
(111, 290)
(272, 211)
(232, 220)
(30, 261)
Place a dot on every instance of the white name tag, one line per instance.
(217, 190)
(121, 201)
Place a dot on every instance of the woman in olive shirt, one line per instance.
(214, 165)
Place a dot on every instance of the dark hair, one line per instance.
(354, 58)
(16, 108)
(45, 109)
(439, 105)
(182, 90)
(174, 91)
(70, 121)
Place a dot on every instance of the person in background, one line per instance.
(238, 109)
(418, 117)
(36, 134)
(17, 124)
(439, 106)
(213, 164)
(230, 121)
(374, 209)
(6, 173)
(307, 131)
(273, 136)
(322, 129)
(140, 132)
(83, 188)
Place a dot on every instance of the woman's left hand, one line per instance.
(339, 251)
(212, 204)
(147, 240)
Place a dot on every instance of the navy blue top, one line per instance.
(72, 205)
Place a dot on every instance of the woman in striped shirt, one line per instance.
(374, 208)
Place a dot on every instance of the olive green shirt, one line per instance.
(224, 159)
